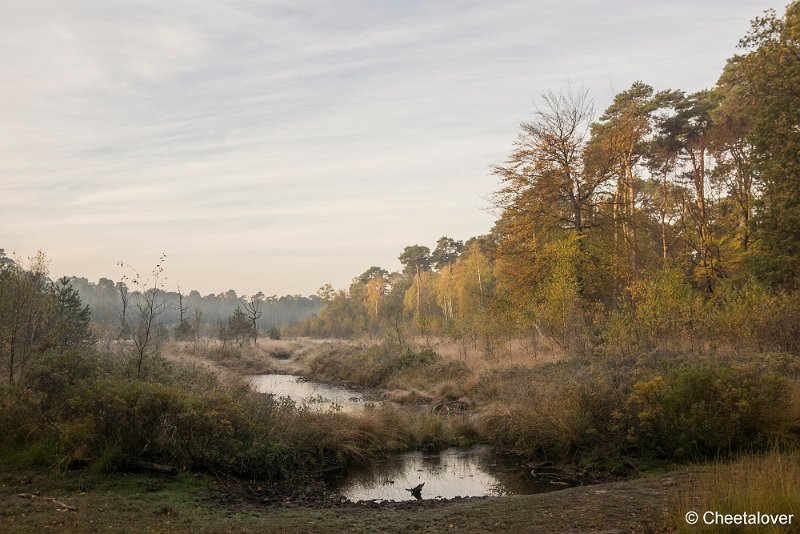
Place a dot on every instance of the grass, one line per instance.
(769, 484)
(241, 359)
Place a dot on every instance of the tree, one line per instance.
(184, 330)
(253, 307)
(124, 329)
(326, 293)
(148, 306)
(548, 192)
(239, 325)
(72, 319)
(196, 327)
(274, 333)
(619, 143)
(732, 148)
(446, 252)
(416, 259)
(686, 133)
(545, 175)
(26, 310)
(373, 273)
(5, 261)
(767, 78)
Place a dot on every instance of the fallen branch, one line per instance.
(63, 506)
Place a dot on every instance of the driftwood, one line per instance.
(62, 506)
(416, 491)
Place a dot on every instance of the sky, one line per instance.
(276, 146)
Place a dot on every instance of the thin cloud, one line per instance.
(313, 139)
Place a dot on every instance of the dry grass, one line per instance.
(284, 356)
(522, 352)
(454, 372)
(544, 420)
(769, 484)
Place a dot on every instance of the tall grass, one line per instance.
(769, 484)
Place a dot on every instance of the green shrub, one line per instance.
(71, 414)
(699, 411)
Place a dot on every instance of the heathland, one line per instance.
(631, 321)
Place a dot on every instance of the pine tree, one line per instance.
(72, 318)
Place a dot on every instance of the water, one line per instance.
(316, 396)
(473, 472)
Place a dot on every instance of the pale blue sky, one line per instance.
(276, 146)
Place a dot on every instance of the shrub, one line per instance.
(704, 410)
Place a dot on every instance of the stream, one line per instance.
(454, 472)
(314, 395)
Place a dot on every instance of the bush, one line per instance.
(71, 413)
(701, 411)
(603, 413)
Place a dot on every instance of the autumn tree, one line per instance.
(376, 285)
(416, 259)
(26, 309)
(547, 190)
(618, 145)
(37, 316)
(545, 175)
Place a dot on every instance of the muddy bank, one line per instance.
(639, 505)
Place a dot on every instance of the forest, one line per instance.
(634, 310)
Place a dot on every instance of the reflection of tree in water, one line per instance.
(454, 472)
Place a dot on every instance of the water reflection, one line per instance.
(316, 396)
(470, 472)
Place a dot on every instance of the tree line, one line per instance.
(188, 311)
(668, 214)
